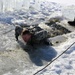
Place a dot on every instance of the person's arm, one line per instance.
(18, 31)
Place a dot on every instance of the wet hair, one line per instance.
(25, 32)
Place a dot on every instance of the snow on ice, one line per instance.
(33, 12)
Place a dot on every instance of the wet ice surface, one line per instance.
(64, 65)
(15, 60)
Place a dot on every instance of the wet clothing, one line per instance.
(18, 31)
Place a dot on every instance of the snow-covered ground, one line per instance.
(64, 65)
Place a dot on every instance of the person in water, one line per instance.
(32, 36)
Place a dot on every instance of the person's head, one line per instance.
(26, 35)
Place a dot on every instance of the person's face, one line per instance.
(26, 37)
